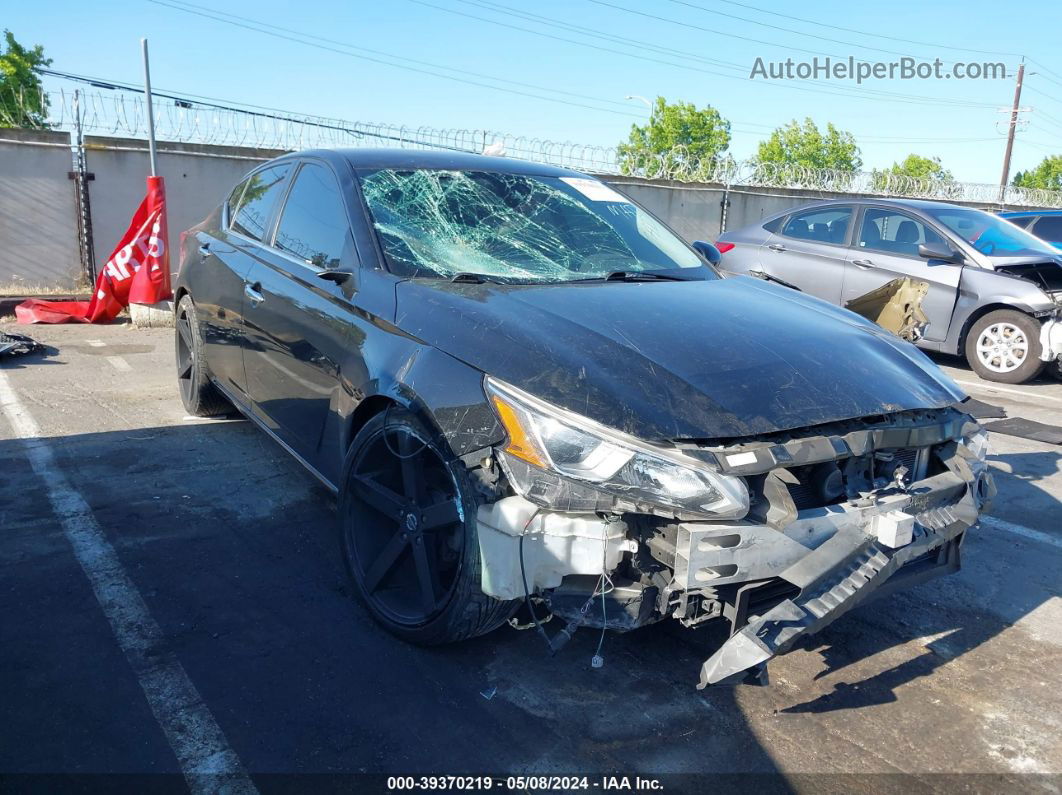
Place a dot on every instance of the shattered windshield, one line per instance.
(990, 234)
(516, 227)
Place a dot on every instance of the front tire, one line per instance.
(407, 512)
(200, 397)
(1004, 346)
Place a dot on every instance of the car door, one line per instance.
(300, 321)
(227, 258)
(886, 248)
(809, 250)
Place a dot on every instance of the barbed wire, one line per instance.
(122, 113)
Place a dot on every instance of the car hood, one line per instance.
(677, 360)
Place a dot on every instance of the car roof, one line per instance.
(910, 204)
(434, 159)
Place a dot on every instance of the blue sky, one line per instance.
(691, 52)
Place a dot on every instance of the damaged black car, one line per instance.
(526, 391)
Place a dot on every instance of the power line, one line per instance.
(584, 31)
(784, 30)
(194, 99)
(291, 35)
(829, 90)
(706, 30)
(821, 24)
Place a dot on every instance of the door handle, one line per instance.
(253, 294)
(863, 264)
(204, 250)
(776, 247)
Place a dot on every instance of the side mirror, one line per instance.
(938, 251)
(708, 251)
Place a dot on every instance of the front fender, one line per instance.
(438, 389)
(979, 287)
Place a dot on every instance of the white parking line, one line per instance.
(1019, 530)
(204, 755)
(994, 388)
(120, 364)
(96, 343)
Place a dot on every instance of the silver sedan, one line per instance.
(994, 292)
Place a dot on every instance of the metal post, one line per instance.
(1010, 134)
(150, 111)
(81, 179)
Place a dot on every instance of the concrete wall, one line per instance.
(197, 178)
(695, 210)
(38, 215)
(38, 220)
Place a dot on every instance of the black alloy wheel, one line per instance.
(409, 534)
(199, 396)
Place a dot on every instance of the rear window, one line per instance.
(822, 224)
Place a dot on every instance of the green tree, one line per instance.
(22, 103)
(1047, 175)
(914, 166)
(679, 136)
(804, 145)
(921, 168)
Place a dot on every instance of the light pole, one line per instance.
(647, 103)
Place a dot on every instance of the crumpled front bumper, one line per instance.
(857, 561)
(1051, 340)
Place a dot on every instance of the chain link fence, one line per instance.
(123, 113)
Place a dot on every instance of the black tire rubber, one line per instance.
(1028, 369)
(469, 612)
(199, 396)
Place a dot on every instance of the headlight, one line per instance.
(564, 461)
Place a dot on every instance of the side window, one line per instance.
(1023, 222)
(1049, 228)
(894, 233)
(773, 225)
(823, 224)
(262, 191)
(313, 225)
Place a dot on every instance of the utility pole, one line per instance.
(1010, 132)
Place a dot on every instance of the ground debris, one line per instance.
(17, 344)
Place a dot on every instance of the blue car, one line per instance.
(1045, 224)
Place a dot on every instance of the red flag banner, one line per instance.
(138, 271)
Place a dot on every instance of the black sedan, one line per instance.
(528, 393)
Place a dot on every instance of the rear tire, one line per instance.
(199, 396)
(407, 512)
(1004, 346)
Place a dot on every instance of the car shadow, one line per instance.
(234, 549)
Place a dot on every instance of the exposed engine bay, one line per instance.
(1046, 275)
(835, 513)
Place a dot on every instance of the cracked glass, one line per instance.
(515, 227)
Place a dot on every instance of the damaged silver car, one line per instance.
(528, 393)
(989, 290)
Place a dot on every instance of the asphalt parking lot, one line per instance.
(143, 548)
